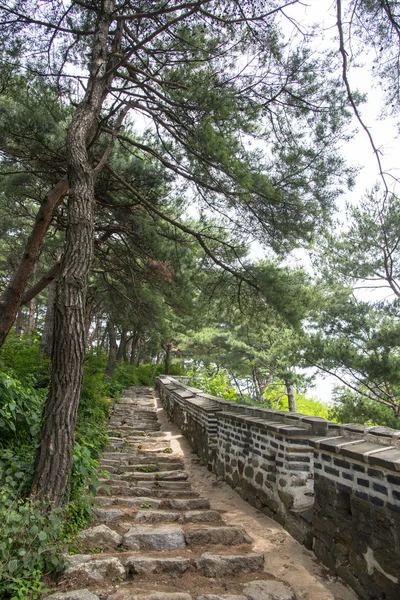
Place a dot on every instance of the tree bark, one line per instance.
(122, 345)
(113, 349)
(290, 395)
(167, 358)
(135, 342)
(58, 429)
(12, 295)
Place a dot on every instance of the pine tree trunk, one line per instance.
(290, 395)
(167, 359)
(113, 348)
(122, 345)
(58, 429)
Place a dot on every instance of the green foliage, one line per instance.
(29, 547)
(216, 383)
(21, 357)
(350, 407)
(126, 375)
(20, 411)
(32, 544)
(90, 439)
(307, 406)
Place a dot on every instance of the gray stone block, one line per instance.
(99, 535)
(217, 565)
(75, 595)
(228, 536)
(152, 538)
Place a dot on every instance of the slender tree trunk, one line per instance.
(58, 429)
(18, 324)
(122, 345)
(32, 303)
(290, 395)
(46, 342)
(135, 343)
(127, 349)
(113, 348)
(138, 353)
(12, 295)
(167, 358)
(95, 334)
(153, 375)
(90, 304)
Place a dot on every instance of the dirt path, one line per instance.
(167, 529)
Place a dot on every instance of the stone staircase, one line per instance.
(154, 537)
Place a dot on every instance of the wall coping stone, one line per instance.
(297, 424)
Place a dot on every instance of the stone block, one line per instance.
(74, 595)
(226, 536)
(101, 535)
(152, 538)
(173, 567)
(97, 568)
(216, 565)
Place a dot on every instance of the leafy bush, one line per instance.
(216, 383)
(145, 374)
(20, 410)
(307, 406)
(29, 547)
(21, 358)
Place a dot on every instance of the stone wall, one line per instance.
(335, 488)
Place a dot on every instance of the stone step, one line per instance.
(163, 538)
(173, 567)
(170, 537)
(186, 503)
(135, 459)
(154, 484)
(133, 502)
(158, 467)
(127, 431)
(146, 502)
(145, 491)
(153, 476)
(168, 465)
(161, 516)
(225, 536)
(228, 565)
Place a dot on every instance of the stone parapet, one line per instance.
(335, 488)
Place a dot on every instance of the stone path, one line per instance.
(157, 539)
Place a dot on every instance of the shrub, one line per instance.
(29, 547)
(216, 383)
(21, 358)
(21, 409)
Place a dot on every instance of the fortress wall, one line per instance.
(335, 488)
